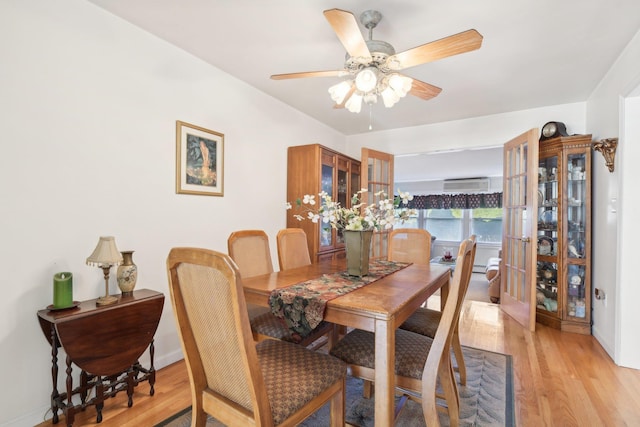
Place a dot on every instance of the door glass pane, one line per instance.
(576, 305)
(576, 206)
(327, 186)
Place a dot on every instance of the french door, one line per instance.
(378, 176)
(520, 225)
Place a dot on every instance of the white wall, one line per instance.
(487, 131)
(616, 319)
(88, 105)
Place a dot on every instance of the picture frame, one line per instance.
(199, 160)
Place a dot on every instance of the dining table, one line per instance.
(379, 307)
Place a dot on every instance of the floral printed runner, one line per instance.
(302, 305)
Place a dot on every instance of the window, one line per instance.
(445, 224)
(455, 224)
(486, 224)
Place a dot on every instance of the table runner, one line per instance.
(301, 306)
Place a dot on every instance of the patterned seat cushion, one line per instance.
(423, 321)
(358, 348)
(269, 325)
(308, 373)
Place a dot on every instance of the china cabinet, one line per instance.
(563, 276)
(311, 169)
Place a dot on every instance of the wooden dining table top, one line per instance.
(392, 298)
(379, 307)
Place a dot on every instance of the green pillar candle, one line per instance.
(62, 290)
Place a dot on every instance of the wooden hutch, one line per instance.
(311, 169)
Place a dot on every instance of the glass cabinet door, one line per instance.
(576, 234)
(548, 238)
(342, 188)
(576, 206)
(326, 233)
(576, 302)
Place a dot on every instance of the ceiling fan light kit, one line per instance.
(372, 65)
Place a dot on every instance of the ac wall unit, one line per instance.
(467, 185)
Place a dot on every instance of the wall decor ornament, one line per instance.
(608, 149)
(199, 160)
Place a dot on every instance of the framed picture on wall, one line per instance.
(199, 160)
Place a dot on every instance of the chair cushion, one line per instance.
(358, 348)
(294, 375)
(269, 325)
(423, 321)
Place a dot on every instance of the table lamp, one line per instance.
(105, 255)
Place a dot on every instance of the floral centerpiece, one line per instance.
(357, 222)
(380, 215)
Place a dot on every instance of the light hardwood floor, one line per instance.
(560, 379)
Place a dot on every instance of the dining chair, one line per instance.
(425, 321)
(409, 245)
(293, 250)
(249, 249)
(421, 362)
(233, 378)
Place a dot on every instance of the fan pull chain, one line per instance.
(370, 115)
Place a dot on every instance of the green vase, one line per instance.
(357, 245)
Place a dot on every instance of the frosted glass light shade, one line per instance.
(400, 84)
(339, 92)
(354, 103)
(367, 79)
(389, 97)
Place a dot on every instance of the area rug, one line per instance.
(486, 400)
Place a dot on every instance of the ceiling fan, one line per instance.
(373, 65)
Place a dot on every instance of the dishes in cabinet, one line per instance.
(545, 245)
(548, 220)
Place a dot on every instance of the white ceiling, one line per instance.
(534, 53)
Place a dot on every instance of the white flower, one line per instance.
(379, 215)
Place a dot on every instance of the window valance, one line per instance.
(456, 201)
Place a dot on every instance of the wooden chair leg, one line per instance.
(451, 395)
(367, 389)
(457, 350)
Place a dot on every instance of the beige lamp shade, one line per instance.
(105, 254)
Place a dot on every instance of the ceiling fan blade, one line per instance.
(331, 73)
(346, 28)
(453, 45)
(424, 90)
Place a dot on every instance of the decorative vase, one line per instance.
(357, 246)
(127, 273)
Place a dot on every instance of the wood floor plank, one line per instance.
(560, 378)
